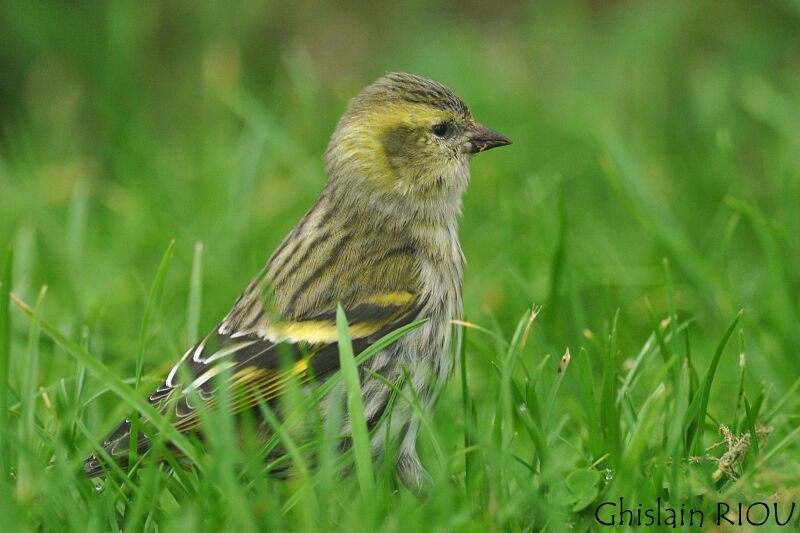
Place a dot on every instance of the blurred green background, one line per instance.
(642, 131)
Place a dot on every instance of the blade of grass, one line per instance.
(388, 463)
(609, 410)
(641, 360)
(759, 403)
(416, 404)
(330, 444)
(355, 408)
(642, 428)
(296, 455)
(465, 324)
(28, 395)
(655, 326)
(560, 373)
(195, 296)
(740, 393)
(531, 421)
(147, 321)
(503, 409)
(673, 314)
(586, 380)
(697, 409)
(152, 304)
(752, 450)
(465, 410)
(673, 448)
(143, 500)
(5, 358)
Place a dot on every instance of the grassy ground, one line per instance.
(653, 192)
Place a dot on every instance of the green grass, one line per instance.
(633, 280)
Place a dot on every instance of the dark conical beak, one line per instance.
(482, 138)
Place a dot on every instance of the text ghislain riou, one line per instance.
(612, 513)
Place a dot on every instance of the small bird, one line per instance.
(381, 241)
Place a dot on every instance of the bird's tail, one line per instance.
(116, 447)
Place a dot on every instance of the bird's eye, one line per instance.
(441, 130)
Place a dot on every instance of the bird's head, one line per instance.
(406, 135)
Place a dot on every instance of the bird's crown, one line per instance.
(398, 87)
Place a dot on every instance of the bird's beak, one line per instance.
(482, 138)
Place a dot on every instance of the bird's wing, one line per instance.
(257, 362)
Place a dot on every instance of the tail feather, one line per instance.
(117, 446)
(96, 467)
